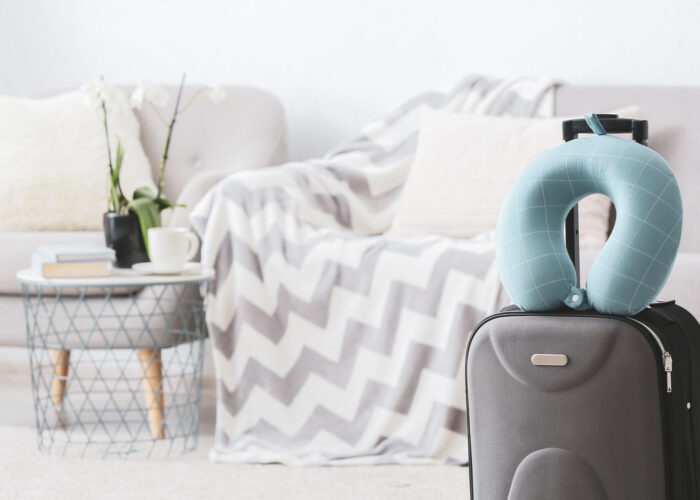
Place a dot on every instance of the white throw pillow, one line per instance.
(464, 166)
(53, 161)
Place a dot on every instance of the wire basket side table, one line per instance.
(116, 363)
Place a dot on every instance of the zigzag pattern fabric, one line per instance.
(335, 343)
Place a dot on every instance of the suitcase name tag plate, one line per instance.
(549, 359)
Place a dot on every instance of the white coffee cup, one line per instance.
(170, 247)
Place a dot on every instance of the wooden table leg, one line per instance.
(153, 390)
(60, 359)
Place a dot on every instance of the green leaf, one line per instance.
(164, 203)
(113, 198)
(118, 159)
(116, 202)
(148, 213)
(144, 192)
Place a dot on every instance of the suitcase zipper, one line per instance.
(666, 358)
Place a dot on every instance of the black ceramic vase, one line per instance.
(123, 234)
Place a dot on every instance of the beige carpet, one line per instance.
(25, 473)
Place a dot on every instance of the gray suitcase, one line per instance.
(581, 406)
(576, 406)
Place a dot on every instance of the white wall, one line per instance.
(338, 64)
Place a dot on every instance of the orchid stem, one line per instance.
(164, 159)
(158, 113)
(109, 149)
(116, 193)
(192, 99)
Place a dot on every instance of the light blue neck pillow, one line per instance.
(635, 262)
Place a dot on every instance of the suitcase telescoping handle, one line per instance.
(612, 124)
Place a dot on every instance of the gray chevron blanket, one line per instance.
(334, 343)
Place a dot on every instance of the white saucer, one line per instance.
(150, 268)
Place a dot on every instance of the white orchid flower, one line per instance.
(137, 98)
(216, 93)
(97, 91)
(149, 92)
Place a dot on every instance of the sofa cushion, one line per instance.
(54, 162)
(682, 284)
(464, 165)
(244, 131)
(16, 251)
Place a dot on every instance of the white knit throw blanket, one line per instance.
(333, 343)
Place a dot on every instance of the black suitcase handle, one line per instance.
(612, 124)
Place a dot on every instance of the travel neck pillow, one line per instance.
(635, 262)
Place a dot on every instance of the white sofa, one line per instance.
(246, 130)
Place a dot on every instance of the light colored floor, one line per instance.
(25, 473)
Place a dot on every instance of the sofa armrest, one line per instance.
(682, 285)
(192, 193)
(684, 282)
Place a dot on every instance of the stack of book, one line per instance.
(73, 261)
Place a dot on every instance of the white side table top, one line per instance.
(119, 278)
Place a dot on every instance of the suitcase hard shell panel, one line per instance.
(591, 429)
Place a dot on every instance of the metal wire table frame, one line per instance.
(116, 363)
